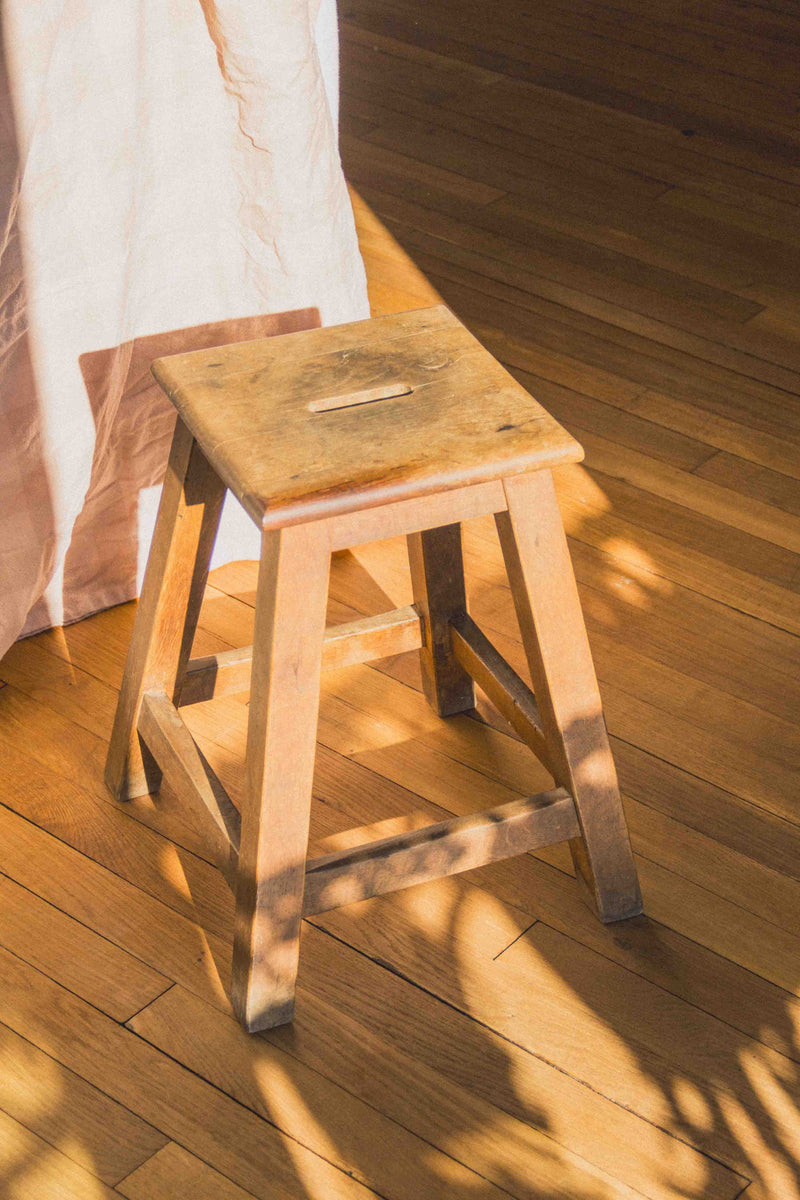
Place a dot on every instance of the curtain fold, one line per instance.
(170, 179)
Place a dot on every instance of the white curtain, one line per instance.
(169, 179)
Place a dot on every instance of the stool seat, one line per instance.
(330, 421)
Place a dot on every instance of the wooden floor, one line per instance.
(607, 194)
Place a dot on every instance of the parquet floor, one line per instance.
(607, 194)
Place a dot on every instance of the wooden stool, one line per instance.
(331, 438)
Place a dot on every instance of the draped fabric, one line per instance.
(169, 179)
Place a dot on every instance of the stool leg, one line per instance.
(565, 686)
(169, 605)
(281, 740)
(437, 577)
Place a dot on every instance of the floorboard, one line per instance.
(606, 192)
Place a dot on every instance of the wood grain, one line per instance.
(437, 580)
(348, 642)
(442, 436)
(548, 610)
(177, 567)
(202, 797)
(640, 276)
(284, 699)
(33, 1168)
(459, 844)
(171, 1173)
(66, 1111)
(510, 695)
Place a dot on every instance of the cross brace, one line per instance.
(344, 645)
(457, 844)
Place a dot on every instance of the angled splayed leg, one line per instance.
(565, 686)
(169, 606)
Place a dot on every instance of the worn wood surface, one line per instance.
(640, 275)
(331, 421)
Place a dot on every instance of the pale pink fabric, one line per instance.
(169, 175)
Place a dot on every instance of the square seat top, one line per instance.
(330, 421)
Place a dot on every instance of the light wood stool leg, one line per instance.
(437, 577)
(169, 605)
(281, 740)
(565, 686)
